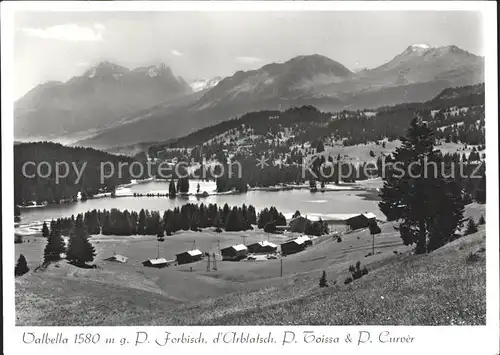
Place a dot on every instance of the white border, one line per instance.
(454, 340)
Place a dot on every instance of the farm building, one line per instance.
(189, 256)
(307, 241)
(293, 246)
(118, 258)
(360, 221)
(159, 263)
(234, 252)
(263, 247)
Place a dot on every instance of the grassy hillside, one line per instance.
(445, 287)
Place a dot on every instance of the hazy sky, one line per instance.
(57, 46)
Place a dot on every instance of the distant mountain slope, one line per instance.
(416, 75)
(290, 80)
(388, 121)
(103, 94)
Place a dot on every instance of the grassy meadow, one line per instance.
(445, 287)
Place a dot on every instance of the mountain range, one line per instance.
(103, 95)
(116, 107)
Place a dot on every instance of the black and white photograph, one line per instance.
(236, 165)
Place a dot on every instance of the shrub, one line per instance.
(339, 240)
(471, 227)
(347, 281)
(357, 272)
(472, 258)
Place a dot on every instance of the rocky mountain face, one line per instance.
(415, 75)
(103, 95)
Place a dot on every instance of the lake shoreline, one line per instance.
(203, 194)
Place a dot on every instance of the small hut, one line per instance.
(158, 263)
(362, 220)
(293, 246)
(264, 247)
(117, 258)
(189, 256)
(234, 252)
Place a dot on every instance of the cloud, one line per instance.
(248, 60)
(99, 26)
(176, 53)
(83, 64)
(68, 32)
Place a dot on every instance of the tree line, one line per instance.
(187, 217)
(47, 189)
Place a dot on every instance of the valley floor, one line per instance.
(445, 287)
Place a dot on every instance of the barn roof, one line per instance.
(194, 252)
(157, 261)
(237, 247)
(303, 238)
(266, 243)
(117, 257)
(367, 215)
(297, 241)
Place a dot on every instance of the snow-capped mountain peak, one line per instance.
(420, 46)
(202, 84)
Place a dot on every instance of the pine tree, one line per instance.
(251, 215)
(322, 280)
(232, 224)
(54, 248)
(430, 206)
(482, 220)
(45, 230)
(481, 190)
(172, 191)
(21, 266)
(471, 227)
(141, 228)
(106, 225)
(320, 147)
(80, 251)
